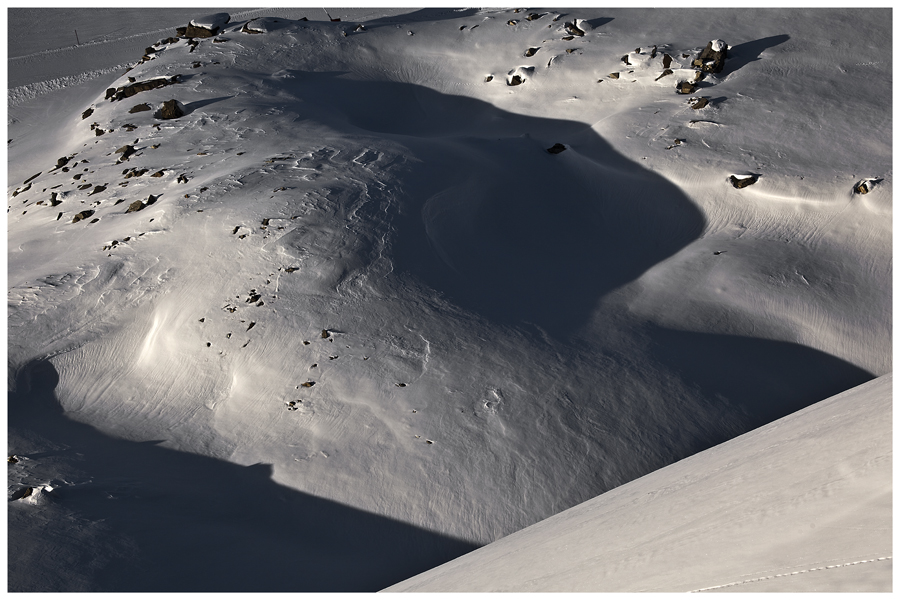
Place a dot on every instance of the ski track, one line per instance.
(791, 574)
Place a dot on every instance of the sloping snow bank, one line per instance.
(801, 504)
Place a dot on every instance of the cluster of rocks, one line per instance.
(135, 87)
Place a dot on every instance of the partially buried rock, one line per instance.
(556, 149)
(126, 152)
(712, 58)
(514, 80)
(531, 52)
(171, 109)
(664, 73)
(742, 182)
(700, 103)
(667, 61)
(686, 87)
(135, 206)
(82, 215)
(139, 108)
(54, 200)
(87, 113)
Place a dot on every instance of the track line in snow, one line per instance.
(758, 579)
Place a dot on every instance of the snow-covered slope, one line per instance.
(802, 504)
(354, 261)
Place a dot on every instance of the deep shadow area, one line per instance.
(423, 14)
(743, 54)
(764, 379)
(194, 523)
(492, 219)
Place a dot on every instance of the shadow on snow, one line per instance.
(147, 518)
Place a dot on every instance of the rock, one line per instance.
(82, 215)
(12, 459)
(308, 384)
(22, 493)
(653, 52)
(182, 178)
(865, 186)
(151, 199)
(533, 17)
(686, 87)
(664, 73)
(130, 90)
(700, 103)
(625, 60)
(556, 148)
(126, 152)
(110, 92)
(489, 78)
(531, 52)
(87, 113)
(30, 178)
(667, 61)
(613, 75)
(325, 334)
(511, 22)
(171, 109)
(54, 201)
(573, 28)
(61, 162)
(98, 132)
(158, 174)
(97, 189)
(712, 58)
(514, 80)
(135, 206)
(743, 182)
(139, 108)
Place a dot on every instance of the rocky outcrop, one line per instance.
(127, 91)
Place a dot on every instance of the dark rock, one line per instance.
(126, 152)
(667, 61)
(158, 174)
(82, 215)
(22, 493)
(613, 75)
(110, 92)
(135, 206)
(511, 22)
(182, 178)
(97, 189)
(84, 187)
(700, 103)
(625, 60)
(489, 78)
(53, 199)
(308, 384)
(653, 52)
(12, 459)
(686, 87)
(744, 181)
(87, 113)
(531, 52)
(171, 109)
(556, 149)
(711, 60)
(141, 86)
(139, 108)
(98, 132)
(573, 29)
(533, 17)
(664, 73)
(180, 31)
(30, 178)
(325, 334)
(60, 163)
(151, 199)
(863, 187)
(514, 80)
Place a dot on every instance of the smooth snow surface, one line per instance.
(802, 504)
(350, 295)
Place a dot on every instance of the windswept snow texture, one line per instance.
(345, 316)
(802, 504)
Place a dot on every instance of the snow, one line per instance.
(212, 22)
(779, 508)
(511, 332)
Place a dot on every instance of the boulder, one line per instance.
(531, 52)
(135, 206)
(139, 108)
(171, 109)
(700, 103)
(54, 201)
(87, 113)
(556, 148)
(667, 61)
(82, 215)
(686, 87)
(742, 182)
(712, 58)
(126, 152)
(664, 73)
